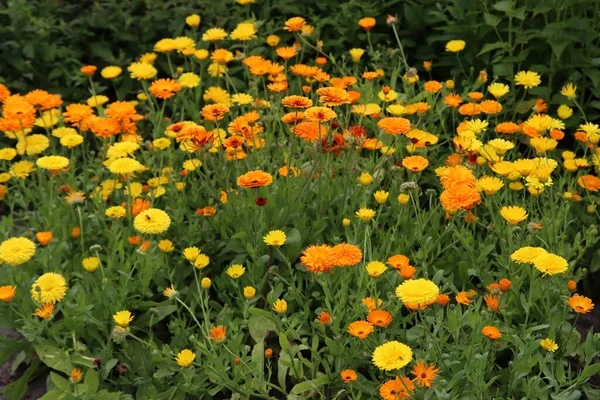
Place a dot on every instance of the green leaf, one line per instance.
(259, 326)
(53, 395)
(491, 19)
(92, 381)
(503, 6)
(558, 46)
(589, 371)
(493, 46)
(59, 381)
(310, 385)
(54, 357)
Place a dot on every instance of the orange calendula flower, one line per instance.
(324, 318)
(319, 114)
(415, 163)
(394, 125)
(369, 302)
(493, 302)
(580, 304)
(43, 237)
(453, 100)
(333, 96)
(88, 70)
(379, 318)
(164, 88)
(395, 389)
(7, 293)
(214, 112)
(505, 285)
(463, 298)
(317, 258)
(348, 375)
(442, 299)
(590, 183)
(469, 109)
(294, 24)
(367, 23)
(345, 255)
(491, 332)
(44, 311)
(432, 86)
(218, 333)
(360, 329)
(254, 179)
(424, 374)
(295, 101)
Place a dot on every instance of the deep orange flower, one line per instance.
(505, 285)
(75, 232)
(319, 114)
(395, 389)
(286, 52)
(354, 96)
(295, 101)
(493, 302)
(43, 237)
(469, 109)
(317, 258)
(442, 299)
(324, 318)
(345, 255)
(370, 75)
(380, 318)
(76, 113)
(369, 302)
(461, 197)
(394, 125)
(432, 86)
(490, 107)
(457, 175)
(145, 246)
(214, 112)
(572, 285)
(294, 24)
(589, 182)
(407, 271)
(507, 128)
(7, 293)
(207, 211)
(491, 332)
(580, 304)
(540, 106)
(367, 23)
(309, 130)
(557, 134)
(293, 117)
(333, 96)
(195, 135)
(4, 92)
(88, 70)
(134, 240)
(463, 298)
(218, 333)
(43, 100)
(475, 95)
(254, 179)
(123, 111)
(360, 329)
(348, 375)
(453, 100)
(278, 87)
(398, 261)
(164, 88)
(415, 163)
(424, 374)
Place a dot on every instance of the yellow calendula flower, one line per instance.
(356, 54)
(275, 238)
(249, 292)
(365, 178)
(513, 214)
(568, 91)
(392, 355)
(185, 357)
(381, 196)
(365, 214)
(123, 318)
(193, 20)
(417, 291)
(527, 79)
(235, 271)
(375, 268)
(91, 264)
(454, 46)
(498, 90)
(16, 251)
(549, 344)
(201, 261)
(205, 283)
(49, 288)
(280, 306)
